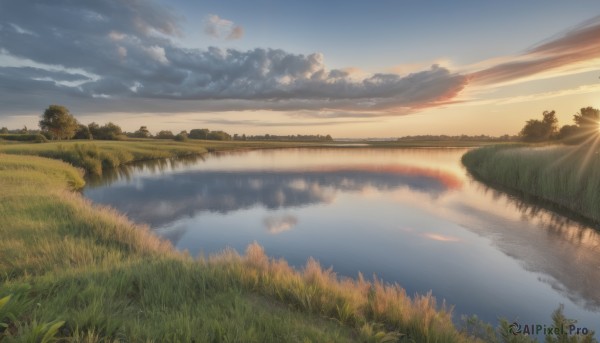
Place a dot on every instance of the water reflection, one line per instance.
(565, 251)
(158, 201)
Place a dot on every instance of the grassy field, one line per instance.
(565, 175)
(72, 271)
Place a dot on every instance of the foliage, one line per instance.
(3, 130)
(199, 133)
(36, 138)
(540, 130)
(83, 132)
(218, 136)
(59, 122)
(165, 134)
(182, 136)
(587, 119)
(108, 131)
(142, 133)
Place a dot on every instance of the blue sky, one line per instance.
(352, 69)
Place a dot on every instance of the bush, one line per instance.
(37, 138)
(165, 134)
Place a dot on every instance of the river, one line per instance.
(409, 216)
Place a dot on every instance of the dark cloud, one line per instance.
(576, 45)
(126, 48)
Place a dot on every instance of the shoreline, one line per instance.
(542, 173)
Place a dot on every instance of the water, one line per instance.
(410, 216)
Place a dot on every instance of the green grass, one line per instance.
(564, 175)
(94, 156)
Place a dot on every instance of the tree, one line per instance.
(182, 136)
(24, 130)
(59, 122)
(109, 131)
(219, 136)
(4, 130)
(199, 133)
(587, 120)
(165, 134)
(540, 130)
(83, 132)
(94, 129)
(142, 133)
(567, 131)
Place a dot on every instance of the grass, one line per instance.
(94, 156)
(565, 175)
(73, 271)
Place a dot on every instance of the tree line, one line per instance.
(586, 124)
(57, 122)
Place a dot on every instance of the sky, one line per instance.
(347, 68)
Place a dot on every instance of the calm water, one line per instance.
(411, 216)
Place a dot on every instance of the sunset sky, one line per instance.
(345, 68)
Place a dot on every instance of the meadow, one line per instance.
(565, 175)
(72, 271)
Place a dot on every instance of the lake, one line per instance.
(409, 216)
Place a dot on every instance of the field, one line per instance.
(564, 175)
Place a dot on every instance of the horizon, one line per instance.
(351, 70)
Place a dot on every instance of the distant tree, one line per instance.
(109, 131)
(540, 130)
(588, 120)
(83, 132)
(24, 130)
(182, 136)
(328, 138)
(59, 122)
(165, 134)
(567, 131)
(199, 133)
(4, 130)
(94, 129)
(219, 136)
(142, 133)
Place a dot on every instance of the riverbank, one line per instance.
(564, 175)
(96, 156)
(80, 272)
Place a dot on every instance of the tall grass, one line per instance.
(568, 176)
(96, 156)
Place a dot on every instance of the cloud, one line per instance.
(276, 225)
(572, 48)
(126, 48)
(251, 122)
(222, 28)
